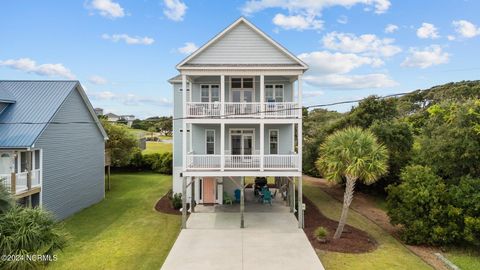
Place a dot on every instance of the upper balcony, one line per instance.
(243, 110)
(247, 97)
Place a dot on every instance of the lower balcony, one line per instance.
(242, 162)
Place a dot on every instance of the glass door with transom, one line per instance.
(242, 144)
(242, 95)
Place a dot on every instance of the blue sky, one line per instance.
(123, 52)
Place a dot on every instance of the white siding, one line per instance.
(242, 45)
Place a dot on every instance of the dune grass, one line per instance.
(390, 253)
(123, 231)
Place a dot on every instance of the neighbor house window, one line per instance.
(273, 134)
(210, 93)
(37, 160)
(210, 141)
(274, 92)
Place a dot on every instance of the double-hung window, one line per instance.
(273, 141)
(210, 92)
(274, 93)
(210, 141)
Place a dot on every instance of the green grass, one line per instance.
(138, 132)
(123, 231)
(157, 147)
(466, 259)
(390, 253)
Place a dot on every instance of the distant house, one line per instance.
(51, 145)
(98, 111)
(111, 117)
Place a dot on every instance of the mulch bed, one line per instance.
(352, 240)
(164, 205)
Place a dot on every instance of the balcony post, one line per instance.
(222, 96)
(300, 203)
(300, 145)
(262, 95)
(300, 100)
(13, 183)
(222, 146)
(262, 146)
(29, 170)
(184, 202)
(184, 122)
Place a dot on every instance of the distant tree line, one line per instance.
(162, 124)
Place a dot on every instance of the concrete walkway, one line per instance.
(269, 241)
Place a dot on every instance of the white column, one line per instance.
(184, 122)
(300, 203)
(184, 200)
(300, 99)
(262, 95)
(190, 87)
(300, 145)
(222, 95)
(262, 145)
(222, 146)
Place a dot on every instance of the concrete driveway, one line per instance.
(215, 241)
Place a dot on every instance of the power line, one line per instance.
(221, 115)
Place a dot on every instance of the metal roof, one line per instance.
(5, 96)
(36, 103)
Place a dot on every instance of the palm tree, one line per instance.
(351, 154)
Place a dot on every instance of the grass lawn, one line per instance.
(138, 132)
(466, 259)
(390, 253)
(157, 147)
(123, 231)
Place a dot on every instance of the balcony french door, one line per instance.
(242, 144)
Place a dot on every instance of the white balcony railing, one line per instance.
(242, 162)
(244, 109)
(21, 181)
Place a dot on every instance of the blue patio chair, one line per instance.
(267, 197)
(237, 195)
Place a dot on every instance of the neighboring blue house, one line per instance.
(51, 145)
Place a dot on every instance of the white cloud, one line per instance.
(429, 56)
(304, 14)
(95, 79)
(128, 39)
(466, 29)
(374, 80)
(391, 28)
(30, 66)
(342, 19)
(174, 9)
(324, 62)
(188, 48)
(451, 37)
(129, 99)
(367, 44)
(331, 70)
(297, 22)
(108, 8)
(311, 6)
(427, 30)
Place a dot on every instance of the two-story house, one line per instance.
(237, 114)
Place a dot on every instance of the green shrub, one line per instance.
(161, 163)
(320, 232)
(421, 203)
(177, 201)
(466, 195)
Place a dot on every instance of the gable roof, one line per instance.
(37, 102)
(227, 43)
